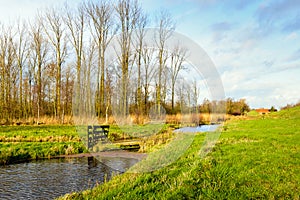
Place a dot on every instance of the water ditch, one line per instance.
(49, 179)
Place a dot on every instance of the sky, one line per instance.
(255, 45)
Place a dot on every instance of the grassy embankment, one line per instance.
(25, 143)
(255, 157)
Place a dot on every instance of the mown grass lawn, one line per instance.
(256, 158)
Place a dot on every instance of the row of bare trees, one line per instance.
(63, 51)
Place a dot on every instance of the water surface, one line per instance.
(48, 179)
(202, 128)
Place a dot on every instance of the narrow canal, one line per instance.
(48, 179)
(202, 128)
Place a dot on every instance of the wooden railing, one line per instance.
(97, 133)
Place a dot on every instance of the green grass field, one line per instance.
(42, 133)
(25, 143)
(255, 158)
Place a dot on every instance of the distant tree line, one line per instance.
(228, 106)
(288, 106)
(43, 62)
(233, 107)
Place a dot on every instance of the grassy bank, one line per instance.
(46, 133)
(11, 153)
(25, 143)
(256, 157)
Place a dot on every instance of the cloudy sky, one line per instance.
(255, 45)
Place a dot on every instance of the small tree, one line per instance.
(273, 109)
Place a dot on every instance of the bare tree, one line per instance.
(76, 24)
(127, 13)
(49, 76)
(3, 47)
(89, 55)
(141, 23)
(55, 30)
(177, 57)
(195, 96)
(149, 72)
(7, 59)
(166, 27)
(37, 59)
(21, 49)
(183, 98)
(67, 92)
(101, 15)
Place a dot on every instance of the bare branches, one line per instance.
(21, 48)
(127, 14)
(165, 29)
(75, 22)
(102, 30)
(55, 30)
(178, 56)
(66, 50)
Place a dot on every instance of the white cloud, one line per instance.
(291, 36)
(251, 51)
(269, 89)
(254, 71)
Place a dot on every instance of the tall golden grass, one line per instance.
(177, 119)
(196, 119)
(67, 120)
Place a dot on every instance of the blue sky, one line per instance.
(254, 44)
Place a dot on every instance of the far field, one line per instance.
(256, 157)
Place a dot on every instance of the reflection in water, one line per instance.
(48, 179)
(92, 162)
(202, 128)
(114, 163)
